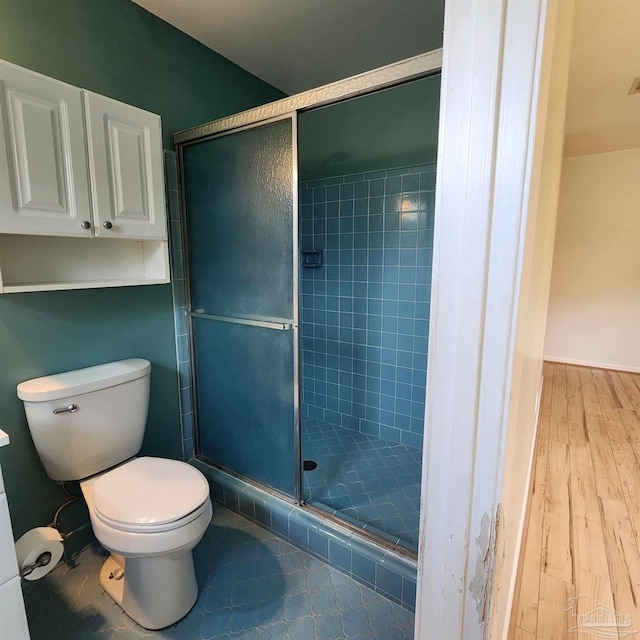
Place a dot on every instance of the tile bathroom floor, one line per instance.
(253, 586)
(371, 482)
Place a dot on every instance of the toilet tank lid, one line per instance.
(74, 383)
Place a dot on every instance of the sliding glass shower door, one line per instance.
(241, 228)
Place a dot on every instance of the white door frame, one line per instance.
(490, 80)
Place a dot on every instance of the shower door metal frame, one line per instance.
(292, 116)
(395, 74)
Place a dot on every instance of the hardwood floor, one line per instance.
(582, 534)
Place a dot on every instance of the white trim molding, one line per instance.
(490, 85)
(593, 365)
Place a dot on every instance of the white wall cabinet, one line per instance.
(82, 201)
(44, 181)
(13, 618)
(125, 156)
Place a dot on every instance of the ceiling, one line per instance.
(300, 44)
(605, 59)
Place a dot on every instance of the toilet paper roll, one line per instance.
(32, 545)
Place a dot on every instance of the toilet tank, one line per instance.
(83, 422)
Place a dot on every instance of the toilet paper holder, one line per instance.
(38, 551)
(41, 561)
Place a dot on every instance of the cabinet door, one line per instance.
(44, 186)
(13, 617)
(125, 160)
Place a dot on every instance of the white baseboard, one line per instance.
(523, 516)
(594, 365)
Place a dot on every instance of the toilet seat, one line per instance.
(153, 528)
(150, 495)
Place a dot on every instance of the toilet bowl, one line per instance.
(149, 513)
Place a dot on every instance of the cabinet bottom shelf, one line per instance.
(65, 286)
(43, 263)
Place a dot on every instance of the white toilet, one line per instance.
(149, 513)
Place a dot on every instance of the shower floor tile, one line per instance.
(372, 483)
(252, 586)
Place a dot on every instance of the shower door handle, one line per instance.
(265, 324)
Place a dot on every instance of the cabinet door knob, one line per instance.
(85, 224)
(107, 225)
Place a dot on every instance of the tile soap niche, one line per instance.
(311, 258)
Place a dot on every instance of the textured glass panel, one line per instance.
(240, 222)
(246, 400)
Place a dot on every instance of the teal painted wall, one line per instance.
(397, 127)
(117, 49)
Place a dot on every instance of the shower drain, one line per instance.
(309, 465)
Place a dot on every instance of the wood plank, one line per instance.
(631, 422)
(592, 591)
(589, 546)
(630, 387)
(589, 395)
(583, 482)
(542, 450)
(606, 394)
(635, 524)
(619, 390)
(576, 418)
(547, 388)
(542, 444)
(595, 425)
(512, 632)
(623, 560)
(606, 474)
(521, 634)
(557, 542)
(604, 466)
(525, 605)
(588, 538)
(554, 620)
(526, 611)
(625, 460)
(559, 430)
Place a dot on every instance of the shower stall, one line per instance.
(307, 231)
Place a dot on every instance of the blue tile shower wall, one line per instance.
(178, 284)
(365, 312)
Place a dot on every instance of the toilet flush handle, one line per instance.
(72, 408)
